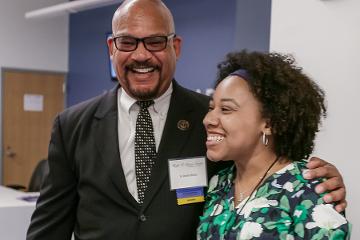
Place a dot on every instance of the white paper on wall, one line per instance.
(33, 102)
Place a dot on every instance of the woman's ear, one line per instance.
(267, 127)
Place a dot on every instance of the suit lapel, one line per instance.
(172, 141)
(106, 134)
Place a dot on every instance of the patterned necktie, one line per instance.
(145, 148)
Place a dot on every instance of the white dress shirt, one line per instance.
(127, 114)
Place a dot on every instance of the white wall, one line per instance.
(32, 43)
(324, 37)
(38, 44)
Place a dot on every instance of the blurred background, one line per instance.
(53, 54)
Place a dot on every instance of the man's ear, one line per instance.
(177, 41)
(111, 47)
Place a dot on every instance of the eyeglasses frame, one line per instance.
(168, 37)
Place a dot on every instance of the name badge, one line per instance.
(188, 177)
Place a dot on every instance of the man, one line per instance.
(92, 188)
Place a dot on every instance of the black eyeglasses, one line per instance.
(152, 44)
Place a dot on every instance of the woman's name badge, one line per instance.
(188, 176)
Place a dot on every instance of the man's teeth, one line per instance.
(215, 138)
(143, 70)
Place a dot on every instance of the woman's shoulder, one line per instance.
(297, 199)
(293, 173)
(291, 182)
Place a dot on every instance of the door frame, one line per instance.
(3, 70)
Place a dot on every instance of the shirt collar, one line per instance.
(160, 104)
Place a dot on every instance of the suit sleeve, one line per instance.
(54, 216)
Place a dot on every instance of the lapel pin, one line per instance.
(183, 125)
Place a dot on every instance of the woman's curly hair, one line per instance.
(293, 103)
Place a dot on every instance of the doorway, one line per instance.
(30, 102)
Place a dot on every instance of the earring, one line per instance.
(265, 139)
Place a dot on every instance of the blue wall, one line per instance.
(209, 28)
(88, 57)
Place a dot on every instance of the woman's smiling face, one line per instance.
(234, 123)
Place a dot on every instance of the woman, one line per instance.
(264, 116)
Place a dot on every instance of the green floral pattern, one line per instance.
(285, 206)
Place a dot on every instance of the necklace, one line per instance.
(241, 197)
(217, 206)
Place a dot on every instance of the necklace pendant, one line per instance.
(241, 196)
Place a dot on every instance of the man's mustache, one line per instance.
(142, 65)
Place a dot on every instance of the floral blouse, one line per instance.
(285, 206)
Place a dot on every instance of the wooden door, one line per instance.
(30, 103)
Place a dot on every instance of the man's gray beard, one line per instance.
(146, 94)
(142, 95)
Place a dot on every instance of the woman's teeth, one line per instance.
(216, 138)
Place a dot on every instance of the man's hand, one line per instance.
(334, 183)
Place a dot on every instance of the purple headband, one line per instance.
(241, 73)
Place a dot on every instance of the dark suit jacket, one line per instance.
(86, 191)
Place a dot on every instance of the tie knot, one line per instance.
(145, 104)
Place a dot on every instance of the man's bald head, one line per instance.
(139, 8)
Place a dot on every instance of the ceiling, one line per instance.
(68, 7)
